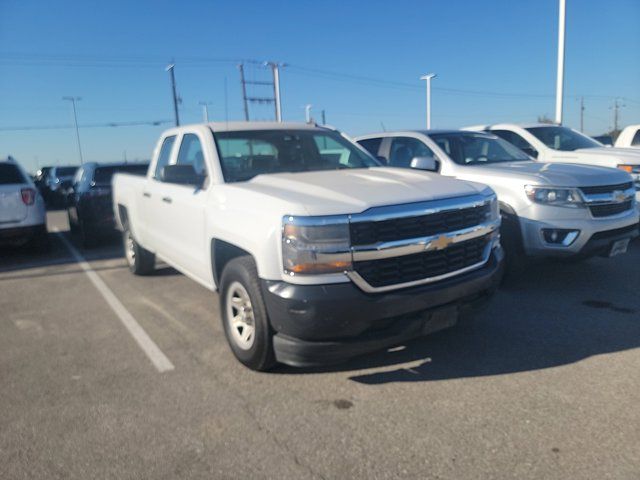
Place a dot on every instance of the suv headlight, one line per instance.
(315, 245)
(555, 196)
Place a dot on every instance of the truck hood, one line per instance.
(541, 173)
(354, 191)
(612, 156)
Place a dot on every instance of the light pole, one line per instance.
(73, 101)
(275, 69)
(169, 69)
(205, 110)
(307, 112)
(560, 78)
(428, 78)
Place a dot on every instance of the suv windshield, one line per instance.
(245, 154)
(562, 138)
(103, 175)
(10, 174)
(469, 148)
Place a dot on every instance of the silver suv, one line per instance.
(22, 209)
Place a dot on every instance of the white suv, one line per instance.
(22, 210)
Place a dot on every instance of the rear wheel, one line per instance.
(140, 261)
(244, 315)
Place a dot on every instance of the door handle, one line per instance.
(146, 194)
(166, 199)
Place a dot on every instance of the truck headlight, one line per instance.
(315, 245)
(555, 196)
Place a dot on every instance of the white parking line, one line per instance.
(148, 346)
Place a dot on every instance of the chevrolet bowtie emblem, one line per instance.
(618, 196)
(439, 243)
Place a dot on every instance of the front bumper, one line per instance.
(595, 235)
(20, 235)
(324, 324)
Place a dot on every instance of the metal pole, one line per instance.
(428, 78)
(275, 67)
(582, 114)
(244, 92)
(560, 79)
(307, 113)
(75, 122)
(324, 119)
(205, 111)
(170, 69)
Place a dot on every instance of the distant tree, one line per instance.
(545, 119)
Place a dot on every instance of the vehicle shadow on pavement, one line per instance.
(553, 314)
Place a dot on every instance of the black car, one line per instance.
(89, 200)
(56, 185)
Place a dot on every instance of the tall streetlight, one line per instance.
(428, 78)
(73, 101)
(307, 112)
(205, 110)
(170, 69)
(275, 69)
(560, 79)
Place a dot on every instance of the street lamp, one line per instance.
(428, 78)
(205, 110)
(307, 112)
(73, 101)
(560, 78)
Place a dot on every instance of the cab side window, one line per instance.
(636, 139)
(371, 145)
(516, 140)
(404, 149)
(191, 154)
(164, 156)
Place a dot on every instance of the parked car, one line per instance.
(554, 143)
(629, 137)
(317, 252)
(548, 209)
(89, 203)
(22, 209)
(40, 178)
(57, 184)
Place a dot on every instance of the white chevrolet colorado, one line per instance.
(548, 209)
(556, 143)
(318, 253)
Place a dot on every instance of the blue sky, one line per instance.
(359, 61)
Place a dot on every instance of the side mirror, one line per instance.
(425, 163)
(181, 174)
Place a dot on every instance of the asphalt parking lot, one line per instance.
(543, 384)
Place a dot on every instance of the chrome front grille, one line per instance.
(609, 200)
(606, 188)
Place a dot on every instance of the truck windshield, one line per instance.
(246, 154)
(470, 148)
(562, 138)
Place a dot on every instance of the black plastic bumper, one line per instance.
(600, 243)
(323, 324)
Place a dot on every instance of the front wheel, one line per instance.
(244, 315)
(140, 261)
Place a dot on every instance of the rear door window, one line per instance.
(371, 145)
(164, 156)
(10, 174)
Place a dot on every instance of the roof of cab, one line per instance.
(241, 126)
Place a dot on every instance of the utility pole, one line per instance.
(244, 92)
(307, 113)
(428, 78)
(275, 69)
(560, 78)
(324, 119)
(582, 114)
(73, 101)
(170, 68)
(205, 110)
(616, 115)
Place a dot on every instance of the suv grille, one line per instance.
(606, 188)
(408, 268)
(608, 209)
(371, 232)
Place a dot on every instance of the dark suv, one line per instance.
(89, 200)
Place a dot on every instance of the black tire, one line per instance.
(511, 241)
(142, 262)
(259, 355)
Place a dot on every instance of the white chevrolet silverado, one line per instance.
(556, 143)
(548, 209)
(318, 253)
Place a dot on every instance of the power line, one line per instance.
(88, 125)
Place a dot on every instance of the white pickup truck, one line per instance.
(318, 253)
(556, 143)
(629, 137)
(548, 209)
